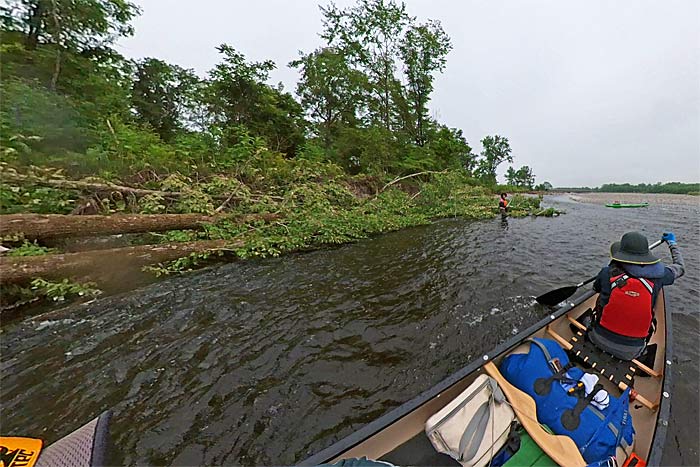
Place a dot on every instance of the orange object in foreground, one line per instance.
(634, 461)
(19, 452)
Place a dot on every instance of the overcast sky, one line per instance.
(587, 92)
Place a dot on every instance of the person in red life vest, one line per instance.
(503, 204)
(623, 319)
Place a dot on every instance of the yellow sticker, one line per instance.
(19, 452)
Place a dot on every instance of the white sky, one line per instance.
(587, 92)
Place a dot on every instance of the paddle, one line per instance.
(554, 297)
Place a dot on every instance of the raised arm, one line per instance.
(678, 266)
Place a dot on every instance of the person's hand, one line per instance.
(669, 238)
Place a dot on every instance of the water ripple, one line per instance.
(263, 362)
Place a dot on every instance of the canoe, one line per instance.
(398, 437)
(88, 446)
(627, 205)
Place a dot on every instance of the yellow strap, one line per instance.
(19, 452)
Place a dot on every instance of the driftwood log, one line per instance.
(51, 226)
(102, 265)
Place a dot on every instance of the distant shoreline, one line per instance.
(652, 198)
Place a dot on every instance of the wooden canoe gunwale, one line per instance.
(659, 437)
(374, 427)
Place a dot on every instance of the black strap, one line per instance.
(619, 282)
(652, 329)
(544, 385)
(571, 418)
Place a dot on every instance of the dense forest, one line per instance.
(71, 101)
(260, 169)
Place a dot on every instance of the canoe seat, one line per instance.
(619, 372)
(588, 355)
(588, 349)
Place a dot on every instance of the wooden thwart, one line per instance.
(568, 346)
(561, 449)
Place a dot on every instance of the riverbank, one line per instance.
(154, 228)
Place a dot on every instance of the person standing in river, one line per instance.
(503, 204)
(623, 319)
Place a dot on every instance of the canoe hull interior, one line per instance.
(393, 431)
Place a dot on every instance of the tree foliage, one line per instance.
(331, 92)
(164, 96)
(76, 25)
(423, 50)
(496, 151)
(361, 103)
(522, 177)
(370, 34)
(239, 98)
(670, 187)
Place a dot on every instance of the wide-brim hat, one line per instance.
(632, 248)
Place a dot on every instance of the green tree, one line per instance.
(370, 33)
(238, 97)
(331, 92)
(423, 50)
(522, 177)
(496, 151)
(64, 47)
(70, 26)
(451, 149)
(525, 177)
(80, 24)
(163, 96)
(510, 176)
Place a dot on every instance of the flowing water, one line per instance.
(264, 362)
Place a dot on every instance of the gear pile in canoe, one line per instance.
(547, 394)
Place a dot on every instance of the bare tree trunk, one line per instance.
(43, 226)
(101, 265)
(396, 180)
(34, 26)
(57, 43)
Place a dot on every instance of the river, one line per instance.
(264, 362)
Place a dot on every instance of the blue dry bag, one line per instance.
(596, 432)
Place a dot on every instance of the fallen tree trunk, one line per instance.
(110, 265)
(108, 187)
(82, 185)
(44, 226)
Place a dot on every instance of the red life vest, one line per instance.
(629, 310)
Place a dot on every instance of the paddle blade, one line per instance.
(556, 296)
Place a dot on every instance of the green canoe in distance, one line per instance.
(627, 205)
